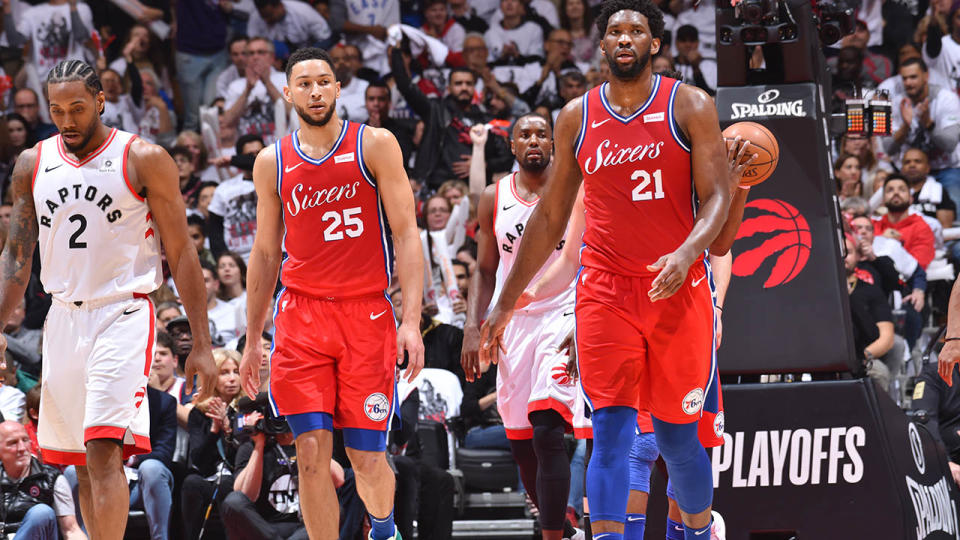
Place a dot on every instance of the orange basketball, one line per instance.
(762, 143)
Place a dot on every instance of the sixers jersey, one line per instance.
(510, 217)
(335, 238)
(638, 188)
(97, 237)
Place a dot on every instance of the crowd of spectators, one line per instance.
(204, 79)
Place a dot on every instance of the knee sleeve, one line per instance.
(642, 455)
(687, 463)
(614, 429)
(553, 468)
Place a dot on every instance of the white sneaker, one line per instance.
(718, 529)
(579, 535)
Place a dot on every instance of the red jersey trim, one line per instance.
(513, 191)
(654, 89)
(103, 146)
(36, 166)
(126, 179)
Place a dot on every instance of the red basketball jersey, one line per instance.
(335, 237)
(638, 189)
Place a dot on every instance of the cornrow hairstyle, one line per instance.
(76, 70)
(647, 8)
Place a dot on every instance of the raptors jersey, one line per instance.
(335, 235)
(638, 189)
(97, 237)
(510, 217)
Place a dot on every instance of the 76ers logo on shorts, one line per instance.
(718, 424)
(376, 407)
(693, 401)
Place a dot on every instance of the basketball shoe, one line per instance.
(718, 529)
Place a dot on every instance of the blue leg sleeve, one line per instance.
(613, 434)
(687, 463)
(642, 455)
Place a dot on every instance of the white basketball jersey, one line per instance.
(510, 217)
(97, 237)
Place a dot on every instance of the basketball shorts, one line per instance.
(335, 360)
(96, 361)
(532, 372)
(653, 356)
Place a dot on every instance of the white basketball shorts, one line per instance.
(532, 374)
(96, 361)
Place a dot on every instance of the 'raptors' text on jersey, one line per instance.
(97, 236)
(335, 235)
(510, 215)
(638, 188)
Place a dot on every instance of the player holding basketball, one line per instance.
(323, 192)
(647, 149)
(99, 200)
(536, 407)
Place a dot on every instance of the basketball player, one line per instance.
(537, 409)
(648, 150)
(323, 192)
(99, 200)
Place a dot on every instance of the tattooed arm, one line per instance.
(17, 256)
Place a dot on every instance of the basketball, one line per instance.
(762, 143)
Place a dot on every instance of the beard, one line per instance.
(534, 166)
(305, 117)
(897, 207)
(86, 135)
(629, 72)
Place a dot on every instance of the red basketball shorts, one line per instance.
(335, 357)
(653, 356)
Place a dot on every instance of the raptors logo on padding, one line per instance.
(775, 228)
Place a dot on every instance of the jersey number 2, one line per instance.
(352, 225)
(640, 193)
(81, 221)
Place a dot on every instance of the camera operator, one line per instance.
(265, 503)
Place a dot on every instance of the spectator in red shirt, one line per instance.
(909, 229)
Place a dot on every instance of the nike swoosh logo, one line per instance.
(696, 282)
(378, 315)
(599, 536)
(48, 169)
(505, 208)
(568, 314)
(600, 123)
(632, 519)
(131, 312)
(698, 533)
(288, 169)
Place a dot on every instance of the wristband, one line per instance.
(951, 339)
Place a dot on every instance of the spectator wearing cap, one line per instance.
(347, 61)
(875, 67)
(911, 230)
(288, 21)
(27, 104)
(513, 40)
(365, 24)
(689, 61)
(200, 53)
(37, 499)
(438, 23)
(377, 103)
(238, 61)
(447, 123)
(928, 118)
(249, 103)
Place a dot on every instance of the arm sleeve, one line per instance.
(215, 234)
(136, 84)
(921, 245)
(243, 457)
(14, 37)
(946, 137)
(338, 15)
(918, 280)
(415, 98)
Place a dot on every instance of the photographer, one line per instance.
(212, 445)
(266, 500)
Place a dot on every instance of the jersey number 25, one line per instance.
(352, 225)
